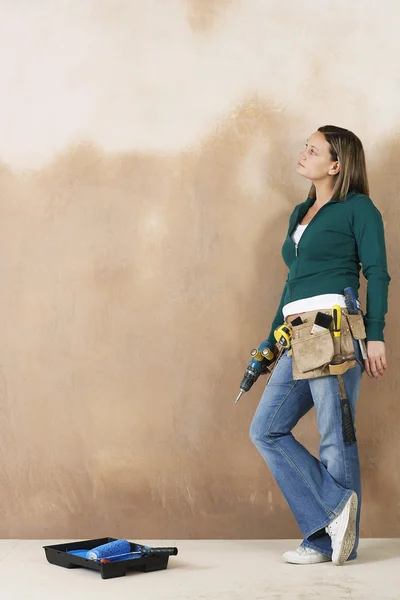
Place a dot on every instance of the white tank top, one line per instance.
(320, 302)
(298, 232)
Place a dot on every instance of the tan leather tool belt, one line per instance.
(312, 353)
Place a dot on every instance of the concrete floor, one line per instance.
(208, 570)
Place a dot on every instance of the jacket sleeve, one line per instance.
(279, 319)
(370, 237)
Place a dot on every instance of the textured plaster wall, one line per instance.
(148, 154)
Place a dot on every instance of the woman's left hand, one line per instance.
(375, 364)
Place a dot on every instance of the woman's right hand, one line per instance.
(275, 350)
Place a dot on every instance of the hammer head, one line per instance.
(340, 364)
(338, 359)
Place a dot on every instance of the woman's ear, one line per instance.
(335, 169)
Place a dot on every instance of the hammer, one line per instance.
(339, 365)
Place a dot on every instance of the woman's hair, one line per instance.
(348, 150)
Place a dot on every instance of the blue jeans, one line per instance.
(316, 490)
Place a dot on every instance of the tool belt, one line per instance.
(312, 352)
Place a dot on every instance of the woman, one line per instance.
(342, 228)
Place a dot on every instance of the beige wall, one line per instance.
(148, 170)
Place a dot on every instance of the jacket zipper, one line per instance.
(297, 245)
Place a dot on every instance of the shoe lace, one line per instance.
(330, 530)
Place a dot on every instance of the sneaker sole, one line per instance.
(305, 560)
(347, 533)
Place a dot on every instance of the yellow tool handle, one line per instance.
(336, 315)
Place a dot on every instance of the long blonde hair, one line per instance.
(345, 147)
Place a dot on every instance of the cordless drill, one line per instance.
(262, 358)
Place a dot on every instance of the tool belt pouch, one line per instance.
(357, 327)
(311, 352)
(352, 327)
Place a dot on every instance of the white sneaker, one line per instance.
(304, 556)
(342, 531)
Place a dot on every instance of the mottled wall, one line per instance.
(148, 171)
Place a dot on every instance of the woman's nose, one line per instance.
(301, 155)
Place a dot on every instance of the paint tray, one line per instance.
(57, 555)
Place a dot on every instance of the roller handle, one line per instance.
(165, 550)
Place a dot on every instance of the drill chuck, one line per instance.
(249, 378)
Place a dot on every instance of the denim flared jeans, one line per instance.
(316, 490)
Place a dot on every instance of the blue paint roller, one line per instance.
(121, 550)
(105, 550)
(110, 549)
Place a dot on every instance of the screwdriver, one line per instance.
(337, 317)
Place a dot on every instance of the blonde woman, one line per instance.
(332, 235)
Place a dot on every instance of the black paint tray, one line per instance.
(57, 555)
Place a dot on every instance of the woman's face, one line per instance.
(315, 161)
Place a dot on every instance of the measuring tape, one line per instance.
(283, 335)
